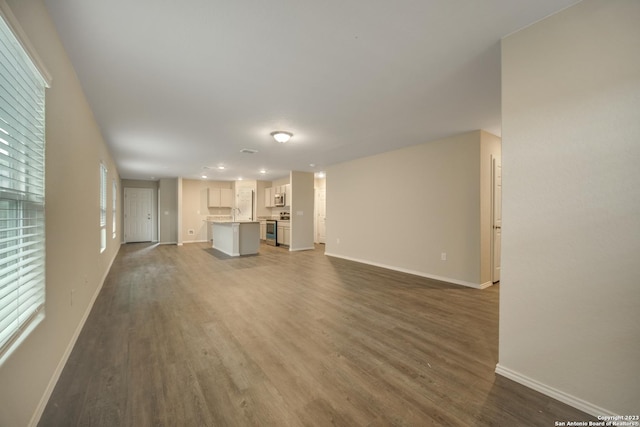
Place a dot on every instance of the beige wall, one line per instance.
(74, 151)
(195, 208)
(261, 211)
(301, 211)
(570, 290)
(403, 208)
(168, 208)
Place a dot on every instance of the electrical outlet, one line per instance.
(443, 256)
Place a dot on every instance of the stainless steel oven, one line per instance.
(272, 232)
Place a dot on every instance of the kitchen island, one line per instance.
(236, 238)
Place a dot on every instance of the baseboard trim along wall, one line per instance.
(302, 249)
(415, 273)
(563, 397)
(35, 419)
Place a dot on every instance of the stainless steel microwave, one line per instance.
(278, 199)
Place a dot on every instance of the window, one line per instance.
(113, 208)
(22, 188)
(103, 207)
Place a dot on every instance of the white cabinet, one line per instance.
(283, 189)
(287, 194)
(269, 194)
(263, 230)
(280, 235)
(220, 198)
(268, 197)
(284, 233)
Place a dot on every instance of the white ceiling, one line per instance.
(177, 86)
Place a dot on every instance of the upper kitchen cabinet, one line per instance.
(220, 198)
(287, 194)
(286, 190)
(268, 197)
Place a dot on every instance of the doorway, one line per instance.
(138, 205)
(321, 215)
(496, 218)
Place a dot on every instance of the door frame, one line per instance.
(496, 229)
(153, 210)
(316, 228)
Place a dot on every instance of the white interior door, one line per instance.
(321, 215)
(497, 219)
(137, 214)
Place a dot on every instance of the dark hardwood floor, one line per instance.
(186, 336)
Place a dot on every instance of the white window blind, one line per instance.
(103, 207)
(22, 187)
(113, 208)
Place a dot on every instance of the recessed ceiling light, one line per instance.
(204, 176)
(313, 165)
(239, 178)
(281, 136)
(262, 171)
(221, 167)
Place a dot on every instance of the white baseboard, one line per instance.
(485, 285)
(547, 390)
(35, 419)
(310, 248)
(414, 272)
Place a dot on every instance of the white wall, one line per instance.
(74, 150)
(403, 208)
(570, 290)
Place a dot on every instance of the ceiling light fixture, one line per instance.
(262, 171)
(281, 136)
(221, 167)
(204, 176)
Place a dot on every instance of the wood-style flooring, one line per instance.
(187, 336)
